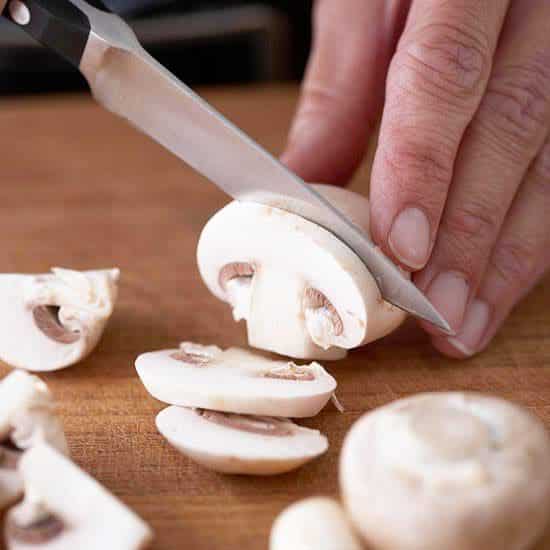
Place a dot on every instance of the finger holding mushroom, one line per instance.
(234, 380)
(67, 509)
(302, 291)
(240, 444)
(316, 523)
(448, 470)
(51, 321)
(27, 417)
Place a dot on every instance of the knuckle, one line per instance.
(514, 261)
(415, 165)
(471, 222)
(446, 61)
(517, 103)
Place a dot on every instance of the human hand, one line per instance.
(460, 188)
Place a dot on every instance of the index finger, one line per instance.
(435, 84)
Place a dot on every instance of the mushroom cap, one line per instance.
(82, 303)
(229, 450)
(447, 470)
(27, 416)
(289, 257)
(93, 517)
(237, 381)
(316, 523)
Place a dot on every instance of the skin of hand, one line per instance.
(460, 187)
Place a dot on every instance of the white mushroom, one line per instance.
(316, 523)
(240, 444)
(302, 291)
(27, 417)
(450, 470)
(234, 380)
(51, 321)
(64, 508)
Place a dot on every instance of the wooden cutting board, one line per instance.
(82, 189)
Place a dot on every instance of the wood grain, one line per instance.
(82, 189)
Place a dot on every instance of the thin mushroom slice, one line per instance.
(68, 509)
(234, 380)
(447, 470)
(27, 417)
(240, 444)
(316, 523)
(51, 321)
(302, 292)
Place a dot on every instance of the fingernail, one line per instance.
(475, 323)
(409, 238)
(448, 293)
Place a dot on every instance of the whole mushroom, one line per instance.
(51, 321)
(447, 471)
(302, 291)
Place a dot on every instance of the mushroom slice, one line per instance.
(48, 322)
(302, 291)
(234, 380)
(316, 523)
(27, 417)
(448, 470)
(240, 444)
(68, 509)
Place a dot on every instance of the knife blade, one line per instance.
(129, 82)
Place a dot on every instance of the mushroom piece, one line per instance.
(27, 417)
(234, 380)
(302, 291)
(316, 523)
(52, 321)
(240, 444)
(447, 470)
(68, 509)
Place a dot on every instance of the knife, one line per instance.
(127, 81)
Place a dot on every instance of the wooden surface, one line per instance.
(81, 189)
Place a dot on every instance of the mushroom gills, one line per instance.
(69, 509)
(433, 462)
(302, 292)
(316, 523)
(240, 444)
(54, 320)
(236, 381)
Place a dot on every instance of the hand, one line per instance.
(460, 189)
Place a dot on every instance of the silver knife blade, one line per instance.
(127, 81)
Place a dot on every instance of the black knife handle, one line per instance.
(58, 24)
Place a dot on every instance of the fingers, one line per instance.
(435, 84)
(520, 257)
(501, 142)
(343, 88)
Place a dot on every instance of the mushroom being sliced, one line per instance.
(51, 321)
(316, 523)
(302, 292)
(27, 417)
(67, 509)
(234, 380)
(450, 470)
(240, 444)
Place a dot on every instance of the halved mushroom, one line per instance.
(302, 291)
(65, 508)
(27, 417)
(240, 444)
(234, 380)
(316, 523)
(48, 322)
(449, 470)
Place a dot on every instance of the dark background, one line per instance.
(204, 42)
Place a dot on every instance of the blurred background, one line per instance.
(204, 42)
